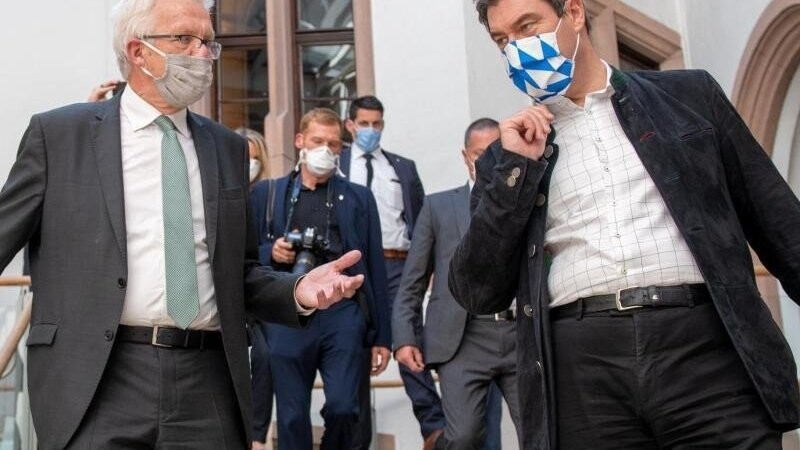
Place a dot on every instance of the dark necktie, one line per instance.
(370, 172)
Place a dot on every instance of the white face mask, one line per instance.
(319, 161)
(255, 169)
(186, 78)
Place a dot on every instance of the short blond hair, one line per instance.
(322, 116)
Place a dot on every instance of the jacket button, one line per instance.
(122, 283)
(532, 251)
(539, 367)
(515, 172)
(528, 310)
(108, 335)
(511, 181)
(541, 199)
(548, 151)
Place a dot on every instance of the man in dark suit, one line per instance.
(473, 354)
(618, 212)
(333, 216)
(141, 250)
(398, 191)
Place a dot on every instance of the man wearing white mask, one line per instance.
(311, 217)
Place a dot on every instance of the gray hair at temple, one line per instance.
(483, 5)
(132, 19)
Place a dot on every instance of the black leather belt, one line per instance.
(502, 316)
(170, 337)
(636, 298)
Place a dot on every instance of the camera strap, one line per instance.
(270, 207)
(296, 185)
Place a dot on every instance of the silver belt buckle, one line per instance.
(619, 303)
(154, 339)
(504, 316)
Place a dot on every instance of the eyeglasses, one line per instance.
(190, 41)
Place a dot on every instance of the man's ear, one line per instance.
(134, 51)
(576, 10)
(299, 141)
(350, 126)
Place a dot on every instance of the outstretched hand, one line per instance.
(327, 284)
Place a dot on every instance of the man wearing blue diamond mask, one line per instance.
(618, 210)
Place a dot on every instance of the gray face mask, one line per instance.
(186, 78)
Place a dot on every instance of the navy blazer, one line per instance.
(360, 227)
(721, 189)
(413, 193)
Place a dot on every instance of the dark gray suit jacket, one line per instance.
(64, 197)
(442, 222)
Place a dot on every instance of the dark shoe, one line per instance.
(431, 439)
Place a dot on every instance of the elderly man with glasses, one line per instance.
(136, 214)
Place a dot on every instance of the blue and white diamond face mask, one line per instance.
(537, 67)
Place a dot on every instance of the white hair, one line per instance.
(132, 19)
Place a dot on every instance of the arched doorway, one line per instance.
(767, 95)
(768, 67)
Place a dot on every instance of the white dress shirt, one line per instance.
(145, 299)
(608, 227)
(388, 194)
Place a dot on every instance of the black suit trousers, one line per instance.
(655, 378)
(163, 399)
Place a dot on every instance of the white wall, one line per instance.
(53, 52)
(436, 71)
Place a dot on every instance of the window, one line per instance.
(326, 54)
(241, 89)
(281, 58)
(630, 59)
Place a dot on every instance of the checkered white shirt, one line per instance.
(607, 225)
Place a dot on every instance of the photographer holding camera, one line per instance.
(310, 217)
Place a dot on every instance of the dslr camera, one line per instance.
(309, 246)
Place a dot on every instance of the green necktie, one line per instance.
(180, 265)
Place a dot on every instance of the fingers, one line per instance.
(380, 359)
(347, 260)
(418, 360)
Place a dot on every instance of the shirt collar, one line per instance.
(562, 105)
(359, 153)
(141, 114)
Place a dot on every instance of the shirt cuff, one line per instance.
(301, 310)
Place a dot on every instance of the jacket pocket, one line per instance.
(41, 334)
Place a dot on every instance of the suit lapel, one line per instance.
(344, 162)
(209, 174)
(279, 213)
(460, 203)
(343, 216)
(107, 147)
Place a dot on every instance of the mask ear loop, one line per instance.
(301, 158)
(159, 53)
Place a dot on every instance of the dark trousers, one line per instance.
(419, 387)
(261, 379)
(487, 357)
(494, 418)
(333, 343)
(165, 399)
(655, 378)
